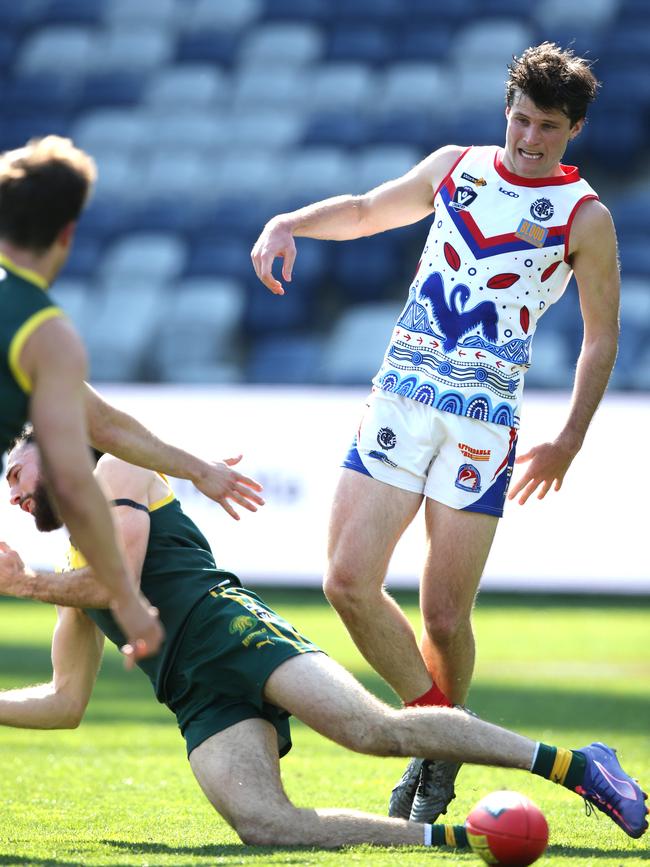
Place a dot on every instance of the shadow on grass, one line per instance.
(519, 707)
(239, 851)
(584, 852)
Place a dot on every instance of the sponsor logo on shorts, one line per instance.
(380, 456)
(474, 454)
(479, 182)
(241, 624)
(463, 198)
(542, 209)
(532, 233)
(468, 479)
(386, 438)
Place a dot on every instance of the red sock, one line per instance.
(433, 697)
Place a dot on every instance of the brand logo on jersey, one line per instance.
(479, 182)
(386, 438)
(380, 456)
(468, 479)
(532, 233)
(542, 209)
(510, 193)
(463, 198)
(474, 454)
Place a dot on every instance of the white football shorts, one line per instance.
(462, 462)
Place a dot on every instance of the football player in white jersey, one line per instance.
(511, 225)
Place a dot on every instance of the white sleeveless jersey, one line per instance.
(494, 261)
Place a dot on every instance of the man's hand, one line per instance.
(13, 575)
(221, 484)
(141, 626)
(549, 463)
(275, 241)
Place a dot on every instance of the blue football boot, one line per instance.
(612, 791)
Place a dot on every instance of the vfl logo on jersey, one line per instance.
(380, 456)
(510, 193)
(468, 479)
(479, 182)
(386, 438)
(542, 209)
(241, 624)
(532, 233)
(463, 198)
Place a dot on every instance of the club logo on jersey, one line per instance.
(380, 456)
(386, 438)
(241, 624)
(468, 479)
(474, 454)
(479, 182)
(510, 193)
(463, 198)
(532, 233)
(542, 209)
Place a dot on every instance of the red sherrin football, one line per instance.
(507, 828)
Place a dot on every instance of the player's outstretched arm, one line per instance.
(60, 704)
(118, 433)
(55, 361)
(398, 202)
(595, 264)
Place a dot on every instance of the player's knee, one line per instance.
(444, 626)
(277, 829)
(375, 735)
(344, 590)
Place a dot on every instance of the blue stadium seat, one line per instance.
(208, 46)
(432, 14)
(18, 128)
(266, 313)
(221, 256)
(297, 10)
(346, 130)
(7, 52)
(359, 43)
(290, 359)
(417, 129)
(74, 11)
(367, 11)
(121, 89)
(424, 43)
(366, 269)
(84, 258)
(41, 91)
(625, 145)
(355, 347)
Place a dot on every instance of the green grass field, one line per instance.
(119, 791)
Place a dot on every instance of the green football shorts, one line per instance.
(230, 646)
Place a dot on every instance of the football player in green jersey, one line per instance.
(43, 189)
(232, 670)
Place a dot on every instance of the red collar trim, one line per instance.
(570, 175)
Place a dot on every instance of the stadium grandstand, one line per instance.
(207, 117)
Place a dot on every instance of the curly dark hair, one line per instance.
(554, 78)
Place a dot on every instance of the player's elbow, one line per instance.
(71, 714)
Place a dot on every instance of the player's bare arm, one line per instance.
(76, 653)
(116, 432)
(79, 587)
(399, 202)
(54, 360)
(594, 260)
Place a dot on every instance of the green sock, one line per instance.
(452, 836)
(566, 767)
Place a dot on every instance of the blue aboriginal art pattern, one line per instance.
(451, 316)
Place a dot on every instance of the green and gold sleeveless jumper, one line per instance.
(24, 306)
(178, 571)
